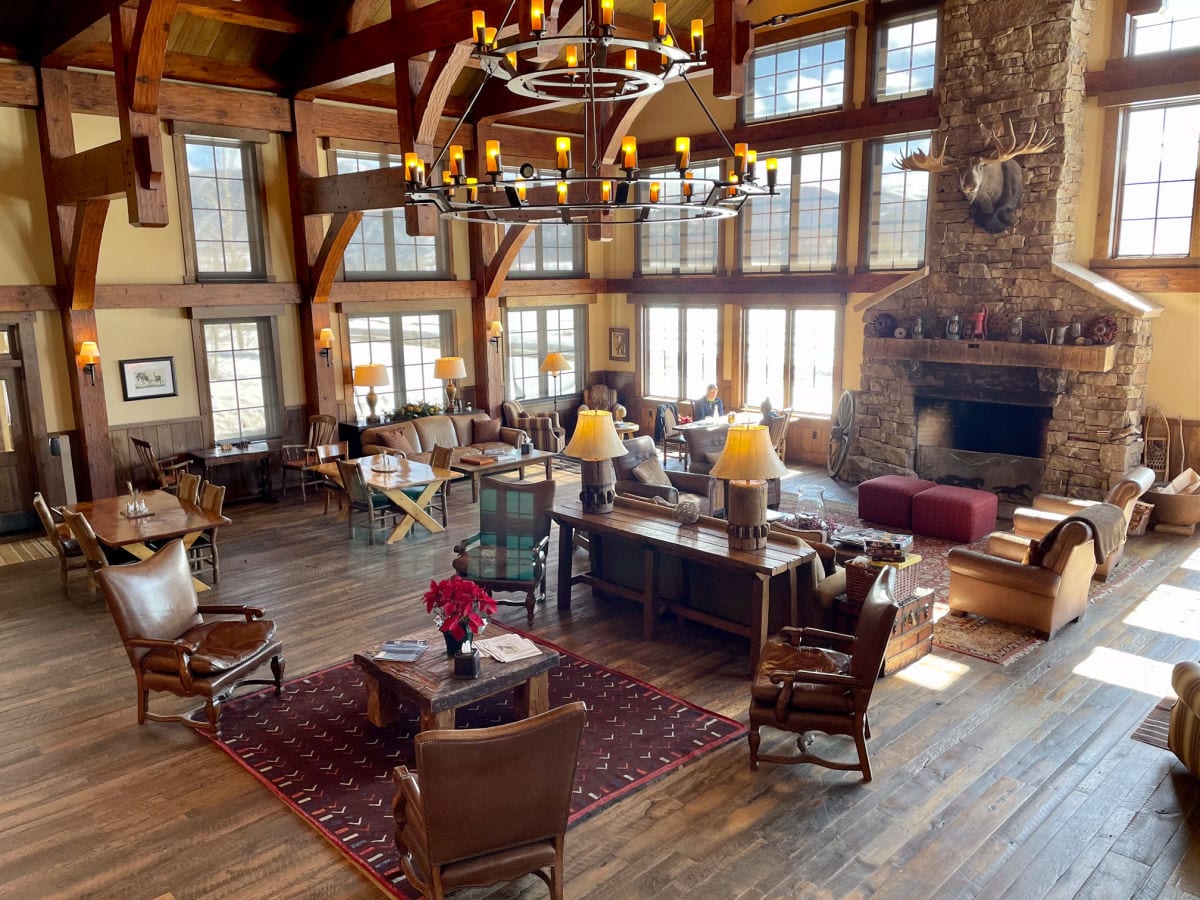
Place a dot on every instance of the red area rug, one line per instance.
(315, 750)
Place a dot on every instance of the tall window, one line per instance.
(1176, 25)
(898, 205)
(534, 333)
(227, 230)
(407, 343)
(381, 246)
(680, 346)
(680, 247)
(797, 228)
(794, 77)
(1157, 183)
(906, 56)
(242, 389)
(789, 356)
(552, 250)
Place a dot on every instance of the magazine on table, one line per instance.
(401, 651)
(508, 648)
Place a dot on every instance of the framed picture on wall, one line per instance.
(618, 344)
(145, 379)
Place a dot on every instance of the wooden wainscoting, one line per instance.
(808, 441)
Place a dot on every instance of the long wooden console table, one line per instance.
(661, 539)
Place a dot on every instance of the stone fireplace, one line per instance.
(1068, 409)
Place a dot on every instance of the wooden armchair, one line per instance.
(378, 507)
(170, 645)
(777, 427)
(451, 835)
(509, 551)
(297, 458)
(673, 441)
(163, 472)
(543, 428)
(89, 544)
(801, 687)
(204, 548)
(70, 556)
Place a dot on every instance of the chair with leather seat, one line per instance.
(508, 553)
(452, 835)
(298, 458)
(801, 687)
(70, 556)
(164, 473)
(1050, 509)
(171, 646)
(640, 463)
(543, 428)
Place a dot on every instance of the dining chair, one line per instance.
(299, 458)
(89, 544)
(361, 498)
(164, 472)
(70, 555)
(189, 488)
(204, 548)
(674, 442)
(331, 453)
(777, 428)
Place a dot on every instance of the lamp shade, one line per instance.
(446, 367)
(748, 455)
(371, 375)
(555, 363)
(325, 338)
(89, 352)
(496, 330)
(595, 437)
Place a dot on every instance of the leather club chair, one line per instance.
(705, 446)
(1183, 737)
(704, 489)
(170, 645)
(454, 833)
(1008, 585)
(800, 687)
(543, 428)
(1050, 509)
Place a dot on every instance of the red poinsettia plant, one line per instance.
(459, 606)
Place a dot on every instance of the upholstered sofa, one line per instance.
(703, 489)
(454, 431)
(705, 446)
(1184, 735)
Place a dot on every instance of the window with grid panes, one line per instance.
(898, 205)
(796, 77)
(243, 396)
(906, 56)
(1175, 26)
(532, 334)
(789, 356)
(690, 246)
(381, 246)
(1155, 208)
(796, 229)
(679, 346)
(227, 230)
(551, 250)
(408, 344)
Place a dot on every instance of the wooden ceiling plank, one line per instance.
(63, 20)
(260, 14)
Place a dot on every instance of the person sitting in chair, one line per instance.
(708, 406)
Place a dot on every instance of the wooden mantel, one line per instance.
(994, 353)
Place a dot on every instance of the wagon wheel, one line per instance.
(840, 432)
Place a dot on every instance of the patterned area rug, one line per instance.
(315, 750)
(1154, 727)
(25, 551)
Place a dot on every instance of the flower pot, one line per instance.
(453, 644)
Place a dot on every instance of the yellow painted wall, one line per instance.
(52, 364)
(1174, 375)
(25, 256)
(139, 333)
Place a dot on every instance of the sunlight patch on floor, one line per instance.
(1169, 609)
(1192, 563)
(933, 672)
(1127, 670)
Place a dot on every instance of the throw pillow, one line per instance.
(396, 440)
(485, 431)
(650, 471)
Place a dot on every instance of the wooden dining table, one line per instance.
(406, 474)
(167, 517)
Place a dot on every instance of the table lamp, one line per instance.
(447, 368)
(554, 365)
(371, 376)
(748, 461)
(595, 443)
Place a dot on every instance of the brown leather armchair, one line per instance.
(1183, 736)
(800, 687)
(170, 645)
(705, 446)
(1050, 509)
(704, 489)
(1009, 584)
(543, 428)
(451, 834)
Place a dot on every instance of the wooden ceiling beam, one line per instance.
(98, 173)
(262, 14)
(729, 48)
(18, 86)
(355, 191)
(63, 20)
(430, 104)
(182, 67)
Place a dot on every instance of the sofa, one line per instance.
(703, 489)
(704, 448)
(1183, 737)
(416, 438)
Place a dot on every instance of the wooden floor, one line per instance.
(990, 781)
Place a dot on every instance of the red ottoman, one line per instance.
(888, 499)
(954, 513)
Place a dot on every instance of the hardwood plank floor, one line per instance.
(990, 781)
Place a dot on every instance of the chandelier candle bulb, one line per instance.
(456, 161)
(631, 59)
(561, 190)
(512, 60)
(537, 15)
(772, 173)
(697, 38)
(732, 190)
(562, 154)
(492, 152)
(410, 167)
(472, 190)
(667, 41)
(606, 192)
(739, 157)
(683, 153)
(751, 162)
(687, 187)
(479, 25)
(572, 56)
(628, 153)
(606, 13)
(655, 190)
(489, 37)
(521, 189)
(446, 176)
(659, 16)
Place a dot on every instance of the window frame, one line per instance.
(718, 266)
(782, 45)
(578, 355)
(787, 401)
(681, 310)
(886, 17)
(254, 177)
(267, 320)
(1130, 35)
(578, 255)
(398, 389)
(868, 192)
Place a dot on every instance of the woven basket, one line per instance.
(1140, 518)
(860, 575)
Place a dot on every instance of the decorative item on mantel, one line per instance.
(954, 327)
(881, 325)
(460, 608)
(749, 460)
(976, 327)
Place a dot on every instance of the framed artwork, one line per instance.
(618, 344)
(145, 379)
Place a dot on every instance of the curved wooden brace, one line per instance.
(447, 65)
(624, 114)
(87, 233)
(506, 254)
(148, 53)
(333, 248)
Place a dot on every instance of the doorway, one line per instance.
(18, 468)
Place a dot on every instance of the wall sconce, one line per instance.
(89, 355)
(495, 332)
(325, 339)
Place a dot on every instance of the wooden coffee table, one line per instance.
(514, 460)
(430, 684)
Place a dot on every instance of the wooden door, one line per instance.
(17, 468)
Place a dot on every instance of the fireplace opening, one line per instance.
(982, 427)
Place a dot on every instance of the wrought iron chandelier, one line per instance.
(593, 67)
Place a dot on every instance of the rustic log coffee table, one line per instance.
(509, 462)
(430, 684)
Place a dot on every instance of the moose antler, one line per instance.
(1006, 148)
(919, 160)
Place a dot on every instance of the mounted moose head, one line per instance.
(992, 184)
